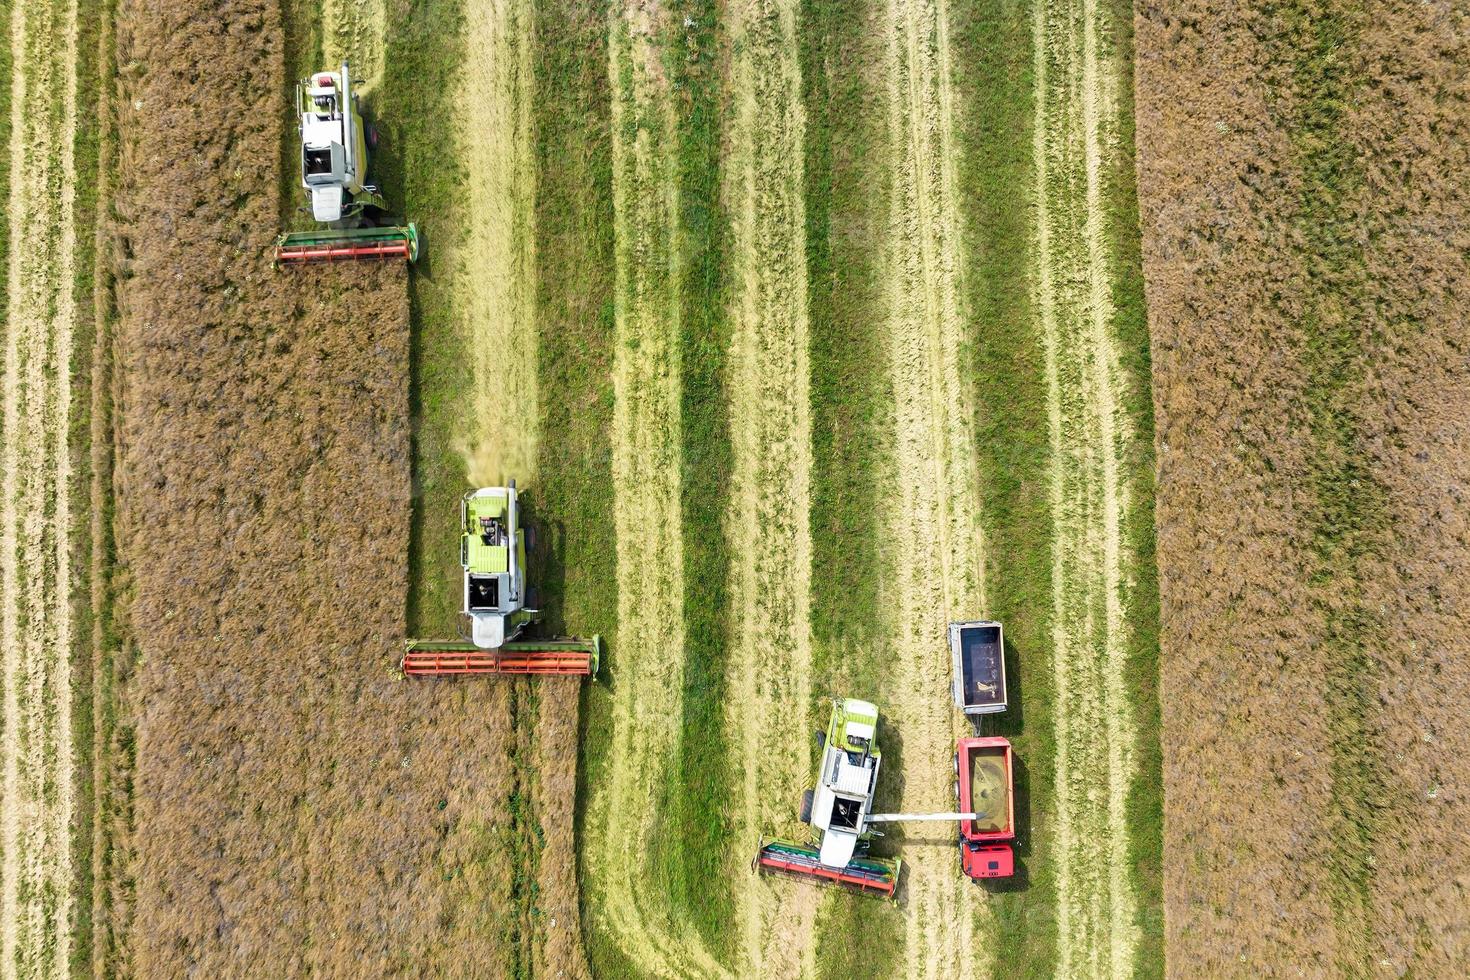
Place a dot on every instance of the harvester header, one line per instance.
(572, 657)
(502, 626)
(348, 245)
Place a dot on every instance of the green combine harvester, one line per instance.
(335, 143)
(500, 638)
(837, 810)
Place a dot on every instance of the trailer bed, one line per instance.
(990, 791)
(978, 654)
(985, 788)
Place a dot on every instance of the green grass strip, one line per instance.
(574, 252)
(695, 858)
(1141, 599)
(851, 409)
(1350, 519)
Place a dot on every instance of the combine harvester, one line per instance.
(838, 809)
(335, 142)
(501, 635)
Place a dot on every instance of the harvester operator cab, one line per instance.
(333, 154)
(324, 91)
(492, 554)
(492, 532)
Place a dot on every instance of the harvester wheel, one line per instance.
(530, 530)
(806, 806)
(821, 740)
(372, 137)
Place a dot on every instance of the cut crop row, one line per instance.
(36, 570)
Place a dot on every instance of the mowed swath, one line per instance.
(1075, 128)
(355, 30)
(495, 270)
(936, 561)
(647, 683)
(768, 523)
(35, 512)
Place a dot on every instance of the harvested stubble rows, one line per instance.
(36, 574)
(935, 562)
(1076, 145)
(297, 808)
(918, 433)
(1303, 198)
(767, 524)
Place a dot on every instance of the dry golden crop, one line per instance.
(1301, 176)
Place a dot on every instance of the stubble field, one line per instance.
(806, 328)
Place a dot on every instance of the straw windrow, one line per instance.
(355, 31)
(768, 523)
(36, 796)
(496, 268)
(934, 513)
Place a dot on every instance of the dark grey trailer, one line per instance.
(979, 667)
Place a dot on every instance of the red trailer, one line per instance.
(984, 768)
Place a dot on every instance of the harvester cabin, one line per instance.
(978, 653)
(851, 786)
(485, 552)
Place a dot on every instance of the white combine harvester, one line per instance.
(335, 146)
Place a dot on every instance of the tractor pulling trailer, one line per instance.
(839, 808)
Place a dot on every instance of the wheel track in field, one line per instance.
(495, 269)
(935, 518)
(355, 30)
(1075, 127)
(35, 514)
(647, 460)
(768, 522)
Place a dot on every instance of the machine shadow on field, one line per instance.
(548, 567)
(548, 570)
(1012, 724)
(887, 797)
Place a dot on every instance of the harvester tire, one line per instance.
(806, 806)
(821, 740)
(372, 137)
(530, 530)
